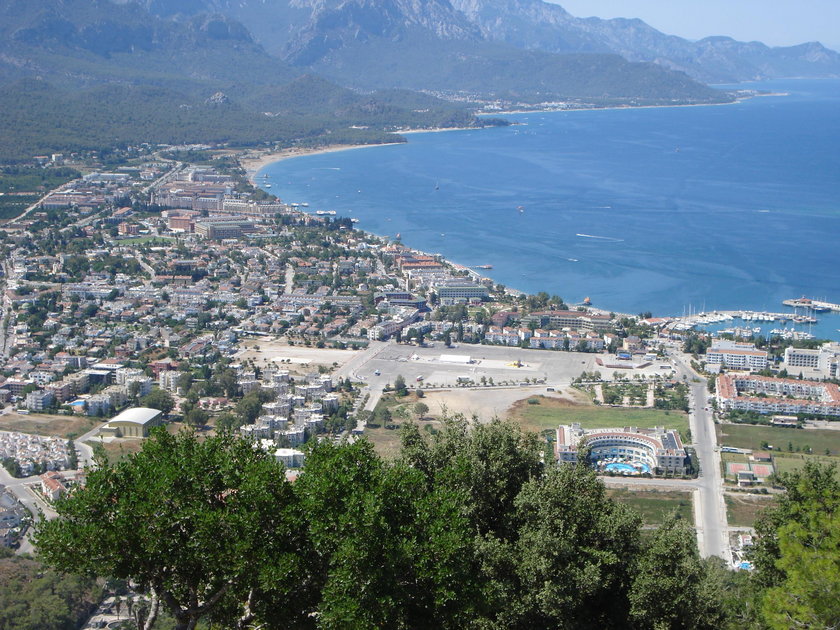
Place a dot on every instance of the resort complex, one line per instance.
(766, 395)
(625, 450)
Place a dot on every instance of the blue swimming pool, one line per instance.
(621, 467)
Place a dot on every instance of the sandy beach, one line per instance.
(253, 163)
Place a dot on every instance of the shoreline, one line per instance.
(255, 164)
(552, 110)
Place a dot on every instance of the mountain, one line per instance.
(432, 45)
(539, 25)
(287, 27)
(93, 75)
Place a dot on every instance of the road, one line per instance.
(21, 488)
(709, 506)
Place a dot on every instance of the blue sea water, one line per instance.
(660, 209)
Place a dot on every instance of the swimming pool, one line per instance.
(621, 467)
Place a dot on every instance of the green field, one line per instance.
(788, 462)
(752, 436)
(655, 505)
(742, 510)
(551, 412)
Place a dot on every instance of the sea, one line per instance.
(670, 210)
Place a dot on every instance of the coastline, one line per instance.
(253, 165)
(454, 261)
(617, 107)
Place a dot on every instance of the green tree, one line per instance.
(574, 552)
(249, 407)
(421, 409)
(797, 554)
(672, 588)
(809, 556)
(399, 386)
(379, 525)
(207, 528)
(196, 417)
(159, 399)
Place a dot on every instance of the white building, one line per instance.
(655, 449)
(735, 355)
(826, 359)
(289, 457)
(39, 400)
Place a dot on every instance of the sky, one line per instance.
(774, 22)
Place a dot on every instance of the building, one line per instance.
(825, 359)
(640, 450)
(289, 457)
(454, 293)
(739, 356)
(39, 400)
(385, 329)
(765, 395)
(52, 485)
(220, 229)
(574, 320)
(135, 422)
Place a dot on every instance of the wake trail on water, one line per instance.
(601, 238)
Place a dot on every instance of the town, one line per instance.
(172, 291)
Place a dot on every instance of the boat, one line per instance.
(268, 185)
(521, 209)
(483, 266)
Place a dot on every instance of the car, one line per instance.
(377, 372)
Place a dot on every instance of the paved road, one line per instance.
(709, 506)
(30, 500)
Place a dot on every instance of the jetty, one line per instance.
(814, 305)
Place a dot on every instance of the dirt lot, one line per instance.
(42, 424)
(299, 359)
(485, 402)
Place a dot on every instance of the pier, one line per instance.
(814, 305)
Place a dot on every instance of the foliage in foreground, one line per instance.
(465, 529)
(32, 598)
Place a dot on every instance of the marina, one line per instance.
(718, 322)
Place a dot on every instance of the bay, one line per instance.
(654, 209)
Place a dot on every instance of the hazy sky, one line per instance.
(775, 22)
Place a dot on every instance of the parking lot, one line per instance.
(439, 366)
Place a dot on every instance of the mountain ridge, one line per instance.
(540, 25)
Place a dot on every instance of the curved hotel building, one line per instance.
(655, 450)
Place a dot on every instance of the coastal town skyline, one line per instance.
(326, 314)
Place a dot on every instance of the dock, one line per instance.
(814, 305)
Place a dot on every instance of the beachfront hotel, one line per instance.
(765, 395)
(735, 355)
(625, 450)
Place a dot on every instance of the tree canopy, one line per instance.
(466, 528)
(202, 526)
